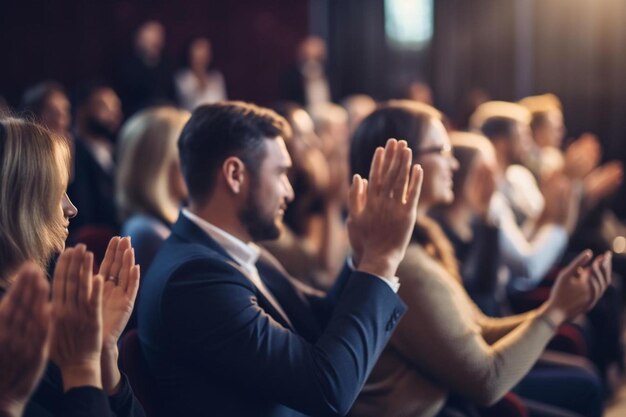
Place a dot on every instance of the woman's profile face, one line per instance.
(438, 163)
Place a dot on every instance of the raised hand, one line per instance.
(579, 286)
(77, 326)
(603, 181)
(382, 211)
(582, 156)
(121, 282)
(24, 323)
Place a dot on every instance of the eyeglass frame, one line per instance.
(443, 150)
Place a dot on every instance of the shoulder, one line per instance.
(142, 226)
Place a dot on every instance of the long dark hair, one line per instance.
(407, 120)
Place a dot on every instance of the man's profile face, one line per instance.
(269, 193)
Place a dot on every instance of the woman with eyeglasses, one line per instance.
(444, 346)
(87, 313)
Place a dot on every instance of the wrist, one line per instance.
(81, 375)
(383, 268)
(554, 315)
(111, 377)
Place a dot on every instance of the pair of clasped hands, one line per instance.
(382, 214)
(77, 329)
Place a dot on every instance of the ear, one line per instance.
(234, 172)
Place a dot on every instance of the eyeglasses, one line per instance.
(443, 150)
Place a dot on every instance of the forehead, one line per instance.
(276, 153)
(435, 135)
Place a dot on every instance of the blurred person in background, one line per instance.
(198, 83)
(306, 83)
(421, 92)
(314, 243)
(49, 103)
(358, 107)
(98, 118)
(150, 189)
(146, 78)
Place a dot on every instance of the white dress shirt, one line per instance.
(245, 254)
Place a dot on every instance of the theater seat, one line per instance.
(96, 237)
(509, 406)
(133, 364)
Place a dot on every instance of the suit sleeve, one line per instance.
(124, 403)
(237, 341)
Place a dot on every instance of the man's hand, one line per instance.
(382, 211)
(24, 323)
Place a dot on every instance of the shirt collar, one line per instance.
(245, 254)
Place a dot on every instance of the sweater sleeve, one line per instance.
(85, 402)
(124, 403)
(442, 338)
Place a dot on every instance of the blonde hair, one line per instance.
(147, 149)
(34, 172)
(498, 109)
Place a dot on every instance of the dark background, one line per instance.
(573, 48)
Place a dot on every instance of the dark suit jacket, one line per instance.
(217, 347)
(92, 191)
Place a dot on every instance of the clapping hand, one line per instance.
(77, 327)
(121, 282)
(24, 323)
(382, 211)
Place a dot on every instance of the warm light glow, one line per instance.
(409, 23)
(619, 244)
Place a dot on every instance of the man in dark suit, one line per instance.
(225, 330)
(98, 118)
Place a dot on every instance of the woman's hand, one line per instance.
(77, 325)
(24, 323)
(121, 282)
(579, 287)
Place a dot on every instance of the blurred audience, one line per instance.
(88, 314)
(421, 92)
(149, 185)
(313, 243)
(98, 118)
(444, 344)
(534, 231)
(306, 83)
(146, 78)
(198, 83)
(358, 106)
(48, 102)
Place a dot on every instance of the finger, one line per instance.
(375, 169)
(84, 283)
(415, 186)
(363, 196)
(96, 296)
(354, 195)
(128, 262)
(60, 276)
(73, 276)
(390, 154)
(607, 266)
(119, 258)
(595, 280)
(402, 179)
(391, 174)
(133, 282)
(37, 326)
(580, 261)
(13, 307)
(109, 257)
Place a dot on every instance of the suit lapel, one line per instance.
(290, 297)
(189, 231)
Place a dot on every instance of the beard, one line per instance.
(98, 128)
(259, 224)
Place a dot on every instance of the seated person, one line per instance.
(149, 185)
(35, 165)
(444, 345)
(225, 330)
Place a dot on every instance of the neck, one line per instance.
(226, 219)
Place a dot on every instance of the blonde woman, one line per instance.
(150, 187)
(34, 219)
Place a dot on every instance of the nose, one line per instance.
(69, 209)
(454, 163)
(289, 193)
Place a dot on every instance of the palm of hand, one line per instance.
(117, 307)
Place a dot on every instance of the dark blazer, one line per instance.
(92, 191)
(217, 346)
